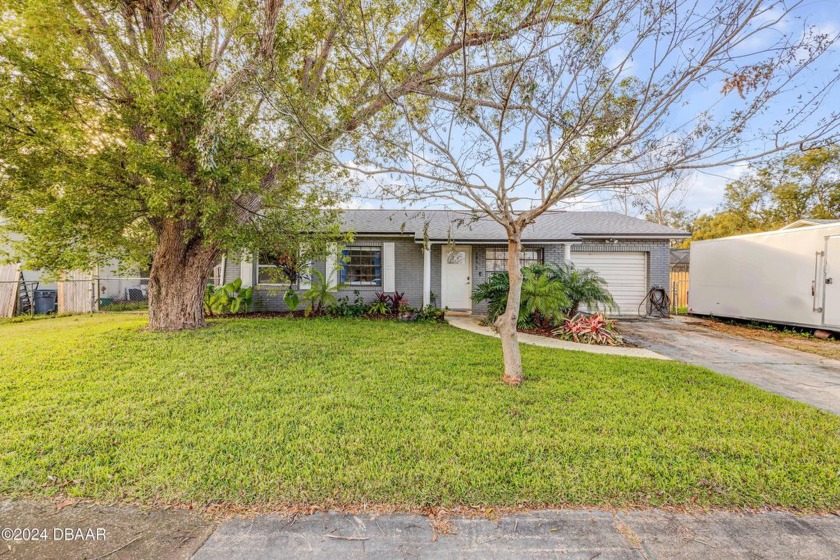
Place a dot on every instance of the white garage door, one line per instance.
(625, 273)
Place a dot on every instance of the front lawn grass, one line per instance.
(267, 412)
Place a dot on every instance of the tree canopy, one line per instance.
(593, 100)
(794, 186)
(171, 131)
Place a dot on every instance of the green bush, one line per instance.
(583, 286)
(320, 296)
(495, 293)
(343, 307)
(230, 298)
(543, 296)
(550, 292)
(430, 313)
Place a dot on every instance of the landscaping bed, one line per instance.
(552, 298)
(552, 332)
(264, 413)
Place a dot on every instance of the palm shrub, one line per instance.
(550, 292)
(321, 294)
(542, 299)
(582, 286)
(495, 293)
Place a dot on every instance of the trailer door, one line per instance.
(831, 307)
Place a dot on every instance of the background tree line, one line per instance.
(789, 188)
(767, 196)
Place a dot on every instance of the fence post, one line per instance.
(95, 303)
(674, 303)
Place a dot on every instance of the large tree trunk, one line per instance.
(180, 268)
(506, 322)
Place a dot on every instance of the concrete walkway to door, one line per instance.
(473, 324)
(797, 375)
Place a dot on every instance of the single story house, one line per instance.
(439, 256)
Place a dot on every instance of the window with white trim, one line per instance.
(496, 259)
(274, 269)
(361, 266)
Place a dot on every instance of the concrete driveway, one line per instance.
(797, 375)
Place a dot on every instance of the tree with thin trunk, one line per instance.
(577, 105)
(661, 201)
(171, 131)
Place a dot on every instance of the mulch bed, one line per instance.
(547, 332)
(298, 315)
(539, 331)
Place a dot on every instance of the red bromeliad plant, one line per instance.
(389, 303)
(589, 329)
(399, 302)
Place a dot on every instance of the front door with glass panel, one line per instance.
(456, 285)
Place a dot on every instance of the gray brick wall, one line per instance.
(232, 268)
(408, 276)
(409, 269)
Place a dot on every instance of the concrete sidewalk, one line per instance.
(576, 534)
(473, 324)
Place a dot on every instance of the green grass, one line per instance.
(266, 412)
(126, 306)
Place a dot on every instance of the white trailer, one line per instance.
(788, 276)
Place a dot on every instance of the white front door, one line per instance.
(831, 305)
(456, 273)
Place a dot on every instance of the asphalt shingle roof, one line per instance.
(454, 225)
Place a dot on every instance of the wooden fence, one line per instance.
(77, 293)
(9, 284)
(679, 291)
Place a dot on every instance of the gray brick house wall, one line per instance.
(233, 268)
(408, 276)
(409, 268)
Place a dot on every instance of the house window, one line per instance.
(275, 269)
(497, 259)
(362, 266)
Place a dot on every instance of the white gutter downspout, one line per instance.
(427, 275)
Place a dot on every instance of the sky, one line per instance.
(706, 188)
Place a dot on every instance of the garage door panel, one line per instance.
(625, 274)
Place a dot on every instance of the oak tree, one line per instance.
(175, 130)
